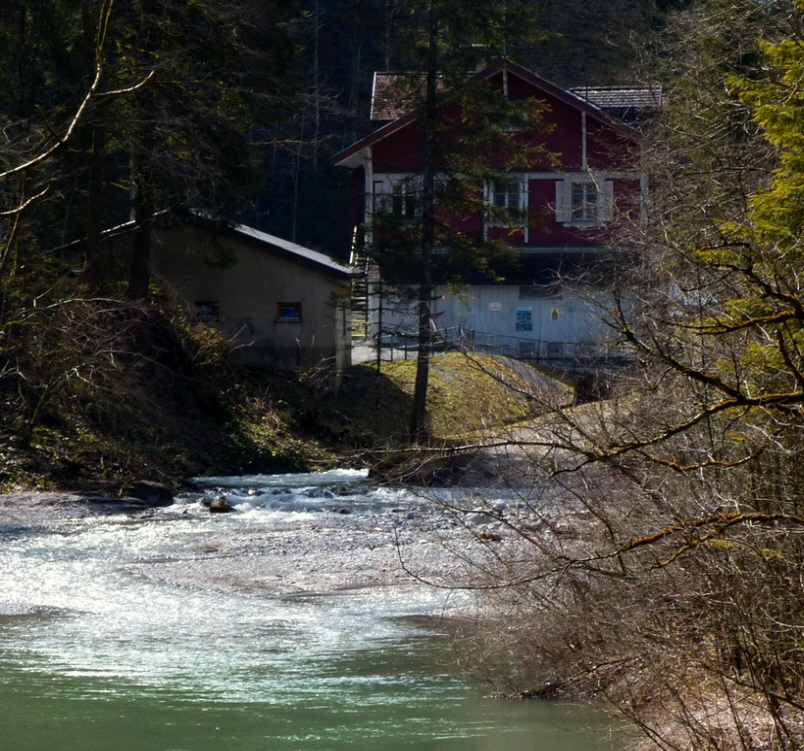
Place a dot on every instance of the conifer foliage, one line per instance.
(108, 108)
(461, 143)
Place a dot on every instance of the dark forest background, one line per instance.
(341, 43)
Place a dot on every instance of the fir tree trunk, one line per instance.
(97, 260)
(140, 271)
(418, 417)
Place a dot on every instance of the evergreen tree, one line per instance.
(460, 144)
(725, 215)
(114, 98)
(216, 70)
(180, 89)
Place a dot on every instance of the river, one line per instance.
(178, 630)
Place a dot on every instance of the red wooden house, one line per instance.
(581, 187)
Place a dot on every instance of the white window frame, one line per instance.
(575, 206)
(405, 198)
(507, 187)
(398, 195)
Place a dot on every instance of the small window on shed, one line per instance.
(207, 311)
(288, 312)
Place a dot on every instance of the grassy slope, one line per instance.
(467, 393)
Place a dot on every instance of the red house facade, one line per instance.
(581, 187)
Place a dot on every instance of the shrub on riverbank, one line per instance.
(662, 575)
(99, 391)
(96, 392)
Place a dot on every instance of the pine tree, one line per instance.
(460, 144)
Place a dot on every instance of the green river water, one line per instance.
(94, 657)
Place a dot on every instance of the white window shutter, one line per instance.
(606, 210)
(563, 201)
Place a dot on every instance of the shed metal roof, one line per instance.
(294, 249)
(286, 246)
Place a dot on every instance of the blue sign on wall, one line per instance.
(524, 319)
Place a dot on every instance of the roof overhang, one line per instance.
(356, 154)
(297, 252)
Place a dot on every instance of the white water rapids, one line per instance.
(179, 605)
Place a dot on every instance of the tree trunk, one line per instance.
(418, 416)
(140, 271)
(97, 256)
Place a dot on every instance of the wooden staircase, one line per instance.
(359, 259)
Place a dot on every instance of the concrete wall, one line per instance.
(247, 291)
(499, 318)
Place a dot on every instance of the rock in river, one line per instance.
(219, 505)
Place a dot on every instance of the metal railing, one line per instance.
(403, 344)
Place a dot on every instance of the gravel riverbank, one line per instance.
(275, 543)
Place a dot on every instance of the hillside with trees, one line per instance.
(673, 583)
(116, 111)
(343, 42)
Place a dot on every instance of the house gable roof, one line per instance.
(383, 104)
(392, 94)
(385, 90)
(623, 101)
(267, 242)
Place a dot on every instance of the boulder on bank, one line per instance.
(153, 494)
